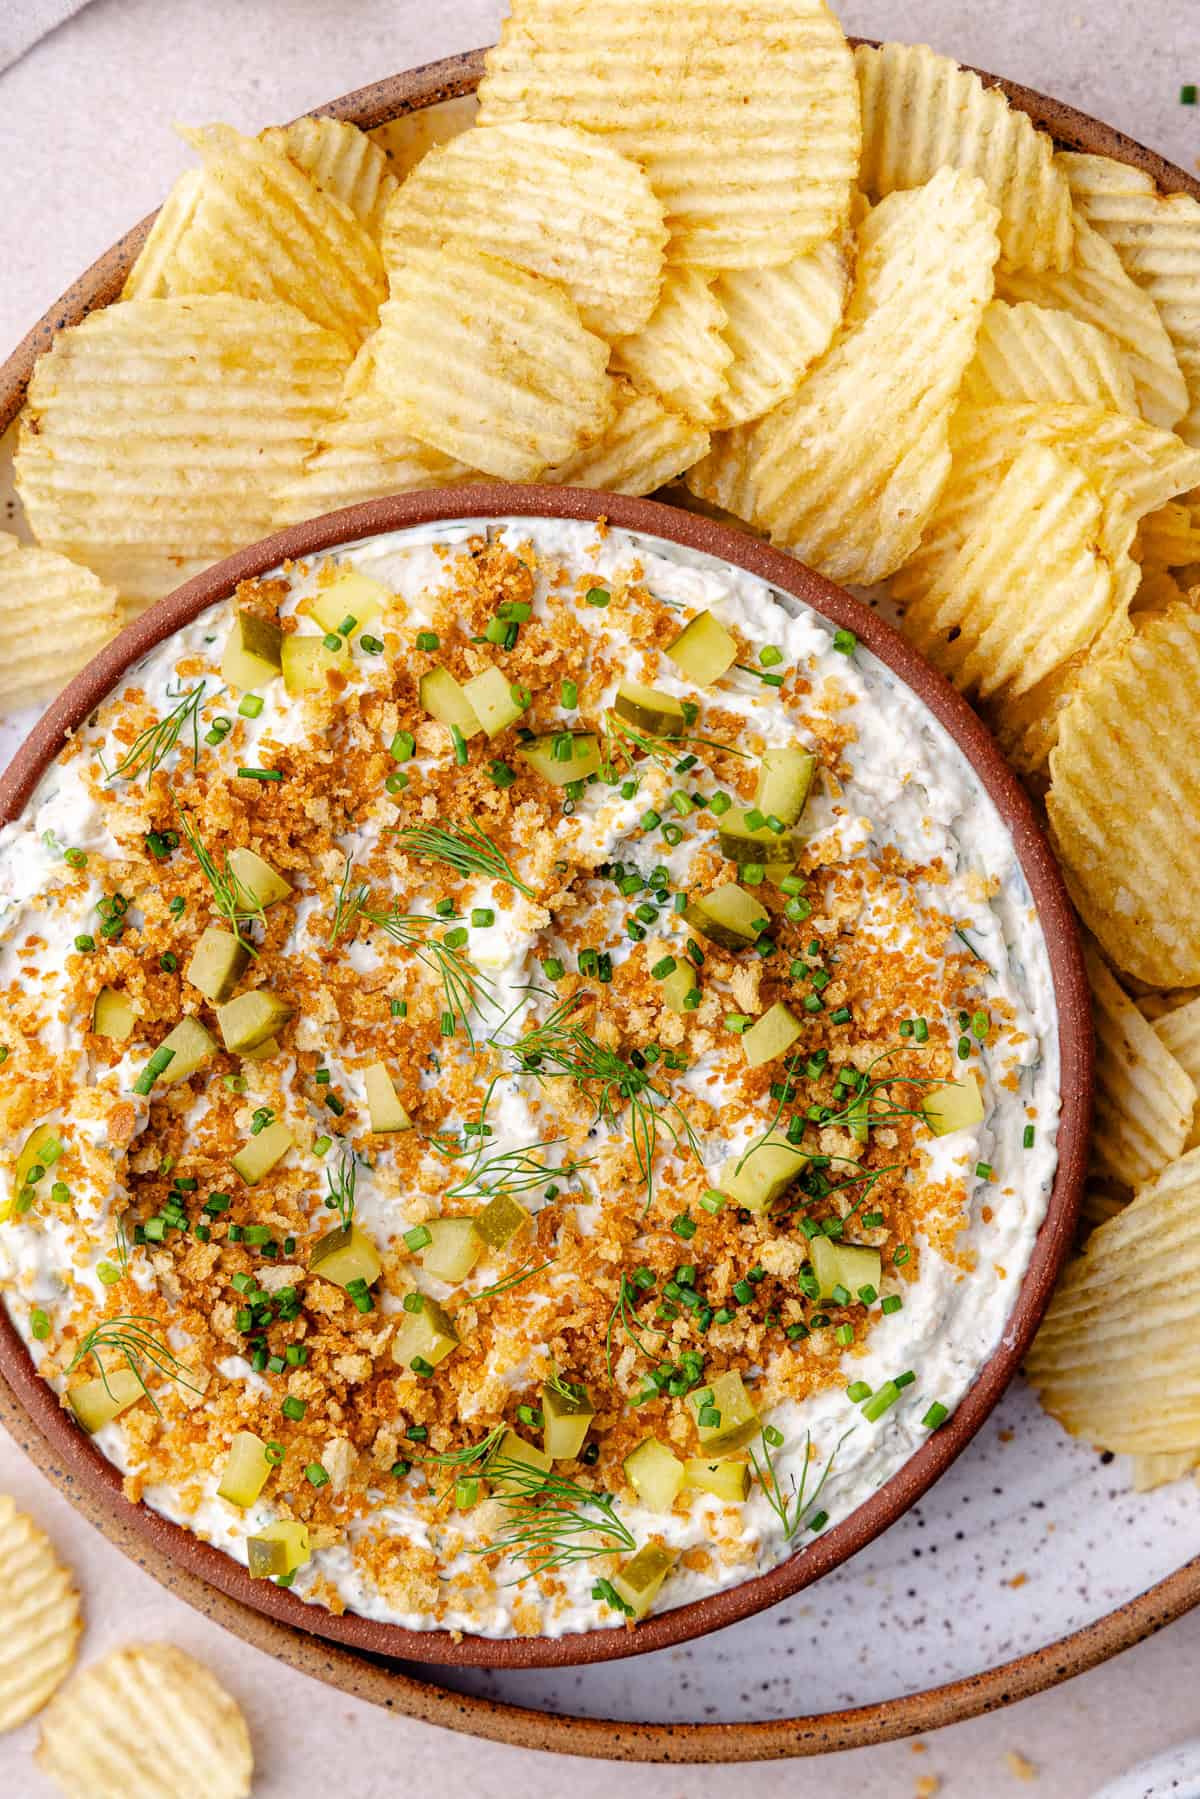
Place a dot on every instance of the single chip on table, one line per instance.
(921, 112)
(1117, 1359)
(40, 1620)
(549, 199)
(777, 322)
(1097, 290)
(1145, 1100)
(156, 433)
(361, 455)
(846, 473)
(54, 616)
(644, 446)
(489, 364)
(1124, 801)
(148, 1721)
(1157, 237)
(745, 117)
(1043, 354)
(681, 353)
(342, 160)
(255, 225)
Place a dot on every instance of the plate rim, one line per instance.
(390, 98)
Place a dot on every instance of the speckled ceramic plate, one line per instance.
(1030, 1561)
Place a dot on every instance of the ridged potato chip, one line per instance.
(645, 446)
(1178, 1029)
(255, 225)
(1157, 589)
(549, 199)
(1026, 724)
(157, 432)
(40, 1621)
(1156, 1005)
(1029, 586)
(1145, 1099)
(406, 139)
(1117, 1359)
(54, 616)
(489, 364)
(777, 322)
(361, 455)
(147, 1722)
(1170, 536)
(1150, 1471)
(1157, 237)
(1097, 290)
(1040, 353)
(744, 113)
(921, 112)
(681, 353)
(847, 472)
(721, 480)
(1124, 801)
(342, 160)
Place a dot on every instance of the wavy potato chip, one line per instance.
(847, 472)
(54, 616)
(489, 364)
(255, 225)
(342, 160)
(1124, 801)
(1096, 290)
(721, 479)
(551, 200)
(921, 112)
(1029, 586)
(157, 432)
(1178, 1028)
(1117, 1359)
(40, 1620)
(361, 455)
(147, 1722)
(777, 322)
(1027, 724)
(1170, 536)
(744, 113)
(1157, 237)
(1145, 1100)
(645, 446)
(411, 136)
(1156, 590)
(681, 353)
(1150, 1471)
(1040, 353)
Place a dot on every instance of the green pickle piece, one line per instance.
(512, 1448)
(216, 964)
(113, 1015)
(444, 699)
(766, 1173)
(738, 1424)
(770, 1036)
(428, 1335)
(728, 916)
(246, 1469)
(97, 1402)
(955, 1106)
(251, 1018)
(502, 1219)
(742, 842)
(491, 699)
(278, 1549)
(848, 1265)
(655, 1473)
(308, 663)
(258, 880)
(640, 1576)
(258, 1155)
(580, 759)
(345, 1254)
(192, 1045)
(383, 1107)
(349, 595)
(784, 778)
(453, 1249)
(253, 652)
(567, 1413)
(728, 1480)
(649, 709)
(704, 650)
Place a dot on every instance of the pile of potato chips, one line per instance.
(850, 299)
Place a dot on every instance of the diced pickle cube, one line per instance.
(257, 879)
(256, 1158)
(308, 663)
(562, 756)
(192, 1045)
(675, 988)
(278, 1549)
(251, 1018)
(784, 778)
(728, 916)
(246, 1469)
(649, 709)
(444, 699)
(655, 1474)
(502, 1219)
(253, 652)
(729, 1481)
(848, 1265)
(491, 698)
(97, 1402)
(215, 965)
(704, 650)
(759, 1179)
(531, 1463)
(953, 1107)
(386, 1112)
(742, 842)
(426, 1336)
(345, 1254)
(349, 595)
(262, 1052)
(41, 1148)
(113, 1015)
(639, 1578)
(738, 1422)
(770, 1036)
(567, 1412)
(453, 1249)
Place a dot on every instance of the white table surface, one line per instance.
(85, 150)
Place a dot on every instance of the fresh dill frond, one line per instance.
(474, 1452)
(348, 903)
(792, 1508)
(133, 1338)
(150, 749)
(514, 1171)
(342, 1181)
(465, 989)
(552, 1521)
(973, 952)
(663, 750)
(463, 846)
(231, 897)
(524, 1273)
(624, 1314)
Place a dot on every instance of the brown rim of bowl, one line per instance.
(661, 1630)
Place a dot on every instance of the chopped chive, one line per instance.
(712, 1201)
(937, 1414)
(845, 642)
(597, 596)
(428, 640)
(984, 1171)
(85, 944)
(294, 1408)
(857, 1391)
(418, 1237)
(891, 1303)
(501, 774)
(260, 774)
(460, 746)
(1027, 1139)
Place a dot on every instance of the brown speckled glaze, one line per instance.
(360, 1666)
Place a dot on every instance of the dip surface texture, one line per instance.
(522, 1237)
